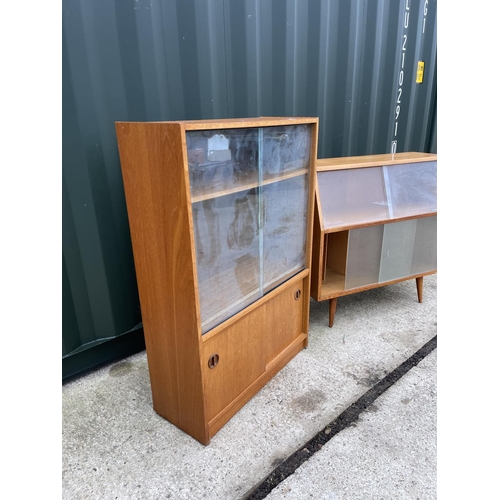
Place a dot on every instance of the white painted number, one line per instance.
(397, 111)
(426, 5)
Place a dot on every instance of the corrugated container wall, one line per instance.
(351, 63)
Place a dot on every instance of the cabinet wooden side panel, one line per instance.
(156, 194)
(337, 251)
(317, 255)
(310, 223)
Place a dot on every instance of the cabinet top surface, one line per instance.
(372, 160)
(234, 122)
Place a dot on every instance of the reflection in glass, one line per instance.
(285, 222)
(363, 258)
(221, 159)
(285, 149)
(352, 196)
(411, 188)
(425, 251)
(362, 195)
(227, 254)
(397, 250)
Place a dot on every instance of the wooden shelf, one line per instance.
(285, 176)
(223, 292)
(208, 194)
(354, 221)
(333, 286)
(334, 283)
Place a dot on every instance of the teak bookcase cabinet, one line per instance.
(220, 214)
(375, 223)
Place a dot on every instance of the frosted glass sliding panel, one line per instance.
(285, 149)
(425, 250)
(363, 256)
(397, 250)
(353, 196)
(227, 254)
(284, 215)
(411, 188)
(222, 159)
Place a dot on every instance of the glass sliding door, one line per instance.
(249, 197)
(227, 255)
(284, 215)
(285, 168)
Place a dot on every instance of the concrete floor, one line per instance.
(114, 446)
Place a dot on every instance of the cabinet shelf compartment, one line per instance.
(245, 158)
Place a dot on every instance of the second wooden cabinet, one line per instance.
(220, 214)
(375, 223)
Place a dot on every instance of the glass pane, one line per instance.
(352, 196)
(285, 149)
(221, 160)
(249, 193)
(425, 250)
(227, 254)
(284, 215)
(397, 250)
(363, 256)
(412, 188)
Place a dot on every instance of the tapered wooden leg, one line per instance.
(333, 307)
(420, 287)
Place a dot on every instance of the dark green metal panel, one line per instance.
(194, 59)
(338, 60)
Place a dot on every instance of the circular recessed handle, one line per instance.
(297, 295)
(213, 360)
